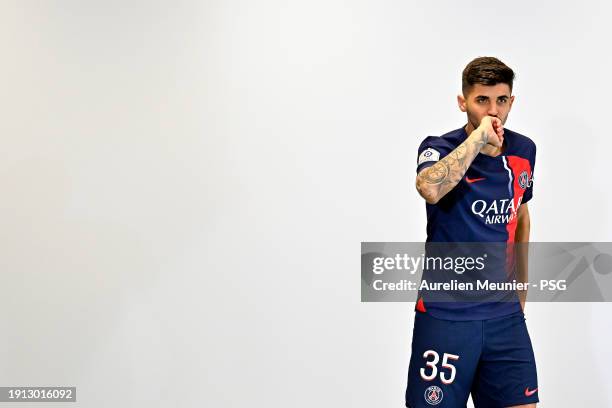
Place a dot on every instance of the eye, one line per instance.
(503, 100)
(481, 100)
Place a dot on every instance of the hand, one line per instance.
(493, 129)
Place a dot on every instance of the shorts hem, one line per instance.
(515, 402)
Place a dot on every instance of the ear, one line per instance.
(511, 101)
(462, 103)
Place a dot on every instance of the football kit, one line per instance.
(477, 347)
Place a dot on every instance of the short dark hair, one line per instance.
(486, 71)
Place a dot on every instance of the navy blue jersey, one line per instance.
(481, 208)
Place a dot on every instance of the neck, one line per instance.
(469, 128)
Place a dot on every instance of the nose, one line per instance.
(492, 109)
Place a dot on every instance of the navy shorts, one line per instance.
(491, 359)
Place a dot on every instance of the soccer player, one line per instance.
(476, 181)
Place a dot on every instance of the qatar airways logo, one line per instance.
(496, 211)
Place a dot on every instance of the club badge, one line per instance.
(433, 395)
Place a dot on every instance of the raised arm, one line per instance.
(436, 181)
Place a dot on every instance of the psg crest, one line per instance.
(433, 395)
(523, 179)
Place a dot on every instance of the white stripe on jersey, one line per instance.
(509, 175)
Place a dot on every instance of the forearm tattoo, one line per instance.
(451, 169)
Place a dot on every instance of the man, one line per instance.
(476, 181)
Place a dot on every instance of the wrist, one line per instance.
(479, 136)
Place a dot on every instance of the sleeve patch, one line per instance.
(428, 155)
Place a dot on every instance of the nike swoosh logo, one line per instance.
(469, 180)
(530, 393)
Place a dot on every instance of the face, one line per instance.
(486, 100)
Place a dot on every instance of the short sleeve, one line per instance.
(431, 150)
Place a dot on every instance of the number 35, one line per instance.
(434, 368)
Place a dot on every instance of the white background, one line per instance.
(185, 186)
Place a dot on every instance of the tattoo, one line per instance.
(483, 137)
(447, 172)
(437, 174)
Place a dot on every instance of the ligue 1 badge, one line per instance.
(433, 395)
(523, 179)
(429, 155)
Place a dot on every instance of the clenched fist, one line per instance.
(493, 129)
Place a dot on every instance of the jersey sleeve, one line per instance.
(431, 150)
(528, 195)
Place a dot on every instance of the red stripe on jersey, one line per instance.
(420, 306)
(517, 165)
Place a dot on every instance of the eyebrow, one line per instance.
(486, 97)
